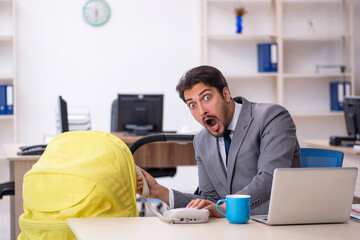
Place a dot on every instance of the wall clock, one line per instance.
(96, 12)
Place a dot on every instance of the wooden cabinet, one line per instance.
(307, 33)
(7, 67)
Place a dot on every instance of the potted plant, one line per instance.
(240, 12)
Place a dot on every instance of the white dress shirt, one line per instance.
(231, 127)
(221, 145)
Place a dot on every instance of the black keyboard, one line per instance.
(32, 150)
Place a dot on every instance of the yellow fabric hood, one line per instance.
(80, 174)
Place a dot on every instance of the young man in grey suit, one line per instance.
(262, 137)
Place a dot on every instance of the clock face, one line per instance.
(96, 12)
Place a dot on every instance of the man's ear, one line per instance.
(226, 94)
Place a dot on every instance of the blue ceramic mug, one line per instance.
(237, 208)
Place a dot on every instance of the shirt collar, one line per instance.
(235, 117)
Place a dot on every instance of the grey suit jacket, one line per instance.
(264, 139)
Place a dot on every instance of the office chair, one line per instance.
(180, 138)
(7, 188)
(318, 157)
(155, 172)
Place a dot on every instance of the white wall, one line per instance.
(145, 47)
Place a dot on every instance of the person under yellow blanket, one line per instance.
(81, 174)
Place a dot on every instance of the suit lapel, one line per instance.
(240, 132)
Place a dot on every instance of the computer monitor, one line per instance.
(351, 107)
(63, 123)
(140, 114)
(352, 116)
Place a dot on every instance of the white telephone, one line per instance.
(177, 215)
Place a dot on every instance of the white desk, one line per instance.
(216, 228)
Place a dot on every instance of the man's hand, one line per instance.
(209, 205)
(156, 190)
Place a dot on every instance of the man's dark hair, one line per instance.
(208, 75)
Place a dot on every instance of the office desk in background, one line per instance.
(351, 158)
(19, 165)
(153, 155)
(216, 228)
(160, 154)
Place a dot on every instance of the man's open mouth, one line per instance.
(211, 122)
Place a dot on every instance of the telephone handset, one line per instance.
(177, 215)
(145, 190)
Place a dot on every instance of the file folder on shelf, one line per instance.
(267, 57)
(2, 99)
(9, 99)
(338, 90)
(329, 69)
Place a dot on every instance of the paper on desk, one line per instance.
(355, 213)
(356, 148)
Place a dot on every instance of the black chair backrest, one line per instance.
(160, 172)
(7, 188)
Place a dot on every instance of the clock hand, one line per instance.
(96, 14)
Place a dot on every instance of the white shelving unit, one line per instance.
(7, 67)
(308, 33)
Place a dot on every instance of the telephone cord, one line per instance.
(161, 217)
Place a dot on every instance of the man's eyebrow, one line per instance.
(205, 90)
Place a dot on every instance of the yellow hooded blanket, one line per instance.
(81, 174)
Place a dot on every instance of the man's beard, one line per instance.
(223, 114)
